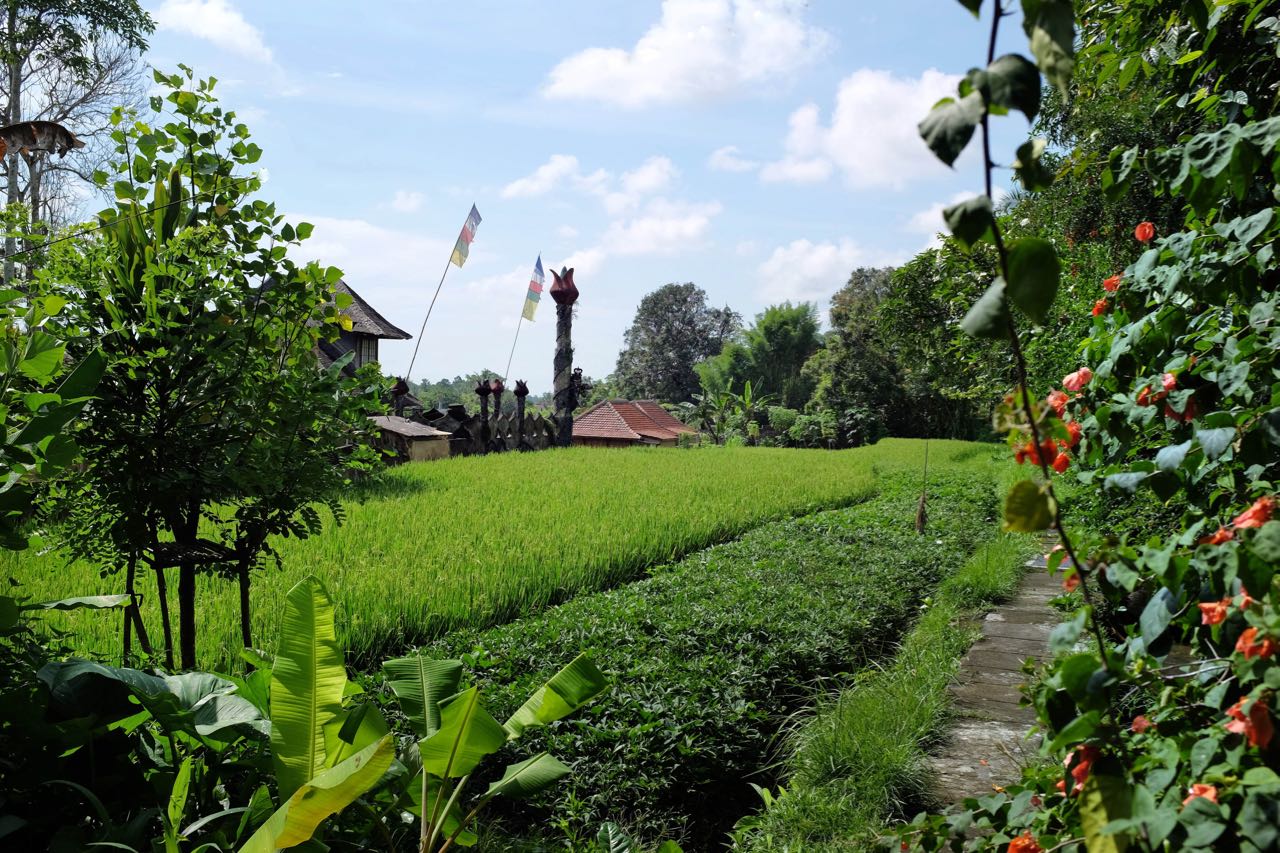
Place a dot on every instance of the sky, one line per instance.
(761, 149)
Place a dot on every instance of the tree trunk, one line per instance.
(132, 615)
(162, 589)
(243, 569)
(14, 116)
(563, 367)
(187, 613)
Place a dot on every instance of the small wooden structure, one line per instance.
(626, 423)
(411, 441)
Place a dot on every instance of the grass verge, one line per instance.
(860, 758)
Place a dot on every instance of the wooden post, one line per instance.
(497, 439)
(522, 391)
(565, 294)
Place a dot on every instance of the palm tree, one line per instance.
(750, 406)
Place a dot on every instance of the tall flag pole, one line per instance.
(459, 256)
(530, 306)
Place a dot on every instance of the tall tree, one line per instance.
(66, 55)
(770, 354)
(673, 330)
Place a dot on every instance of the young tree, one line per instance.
(213, 411)
(673, 330)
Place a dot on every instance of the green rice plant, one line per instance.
(479, 541)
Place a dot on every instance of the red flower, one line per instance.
(1199, 789)
(1249, 646)
(1074, 431)
(1057, 401)
(1025, 843)
(1083, 756)
(1255, 726)
(1071, 582)
(1076, 381)
(1223, 535)
(1111, 285)
(1256, 515)
(1141, 724)
(1214, 612)
(1144, 396)
(1099, 307)
(1187, 414)
(1144, 232)
(1061, 462)
(1169, 381)
(1245, 599)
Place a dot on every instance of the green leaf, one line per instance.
(949, 126)
(528, 777)
(420, 684)
(612, 839)
(1214, 442)
(1125, 482)
(42, 359)
(178, 794)
(90, 602)
(326, 794)
(450, 822)
(1170, 458)
(1260, 819)
(1266, 542)
(974, 6)
(467, 734)
(566, 692)
(307, 683)
(1013, 82)
(1027, 508)
(1051, 27)
(1029, 167)
(1156, 617)
(304, 230)
(1103, 800)
(1034, 272)
(989, 316)
(971, 221)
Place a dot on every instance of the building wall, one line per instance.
(603, 442)
(425, 449)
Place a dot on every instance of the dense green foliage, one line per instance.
(710, 653)
(430, 527)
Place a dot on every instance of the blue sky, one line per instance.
(759, 148)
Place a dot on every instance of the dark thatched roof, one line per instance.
(365, 320)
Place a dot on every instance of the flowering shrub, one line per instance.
(1158, 710)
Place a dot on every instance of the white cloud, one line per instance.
(544, 179)
(651, 176)
(369, 253)
(665, 227)
(872, 139)
(746, 248)
(698, 49)
(216, 21)
(568, 232)
(804, 271)
(728, 159)
(407, 201)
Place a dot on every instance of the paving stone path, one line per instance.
(987, 743)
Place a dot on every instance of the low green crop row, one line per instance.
(711, 654)
(860, 758)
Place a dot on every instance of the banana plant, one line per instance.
(326, 754)
(456, 734)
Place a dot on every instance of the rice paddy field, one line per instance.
(478, 541)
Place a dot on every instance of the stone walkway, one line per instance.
(987, 743)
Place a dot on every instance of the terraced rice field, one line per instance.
(478, 541)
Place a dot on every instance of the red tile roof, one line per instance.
(627, 421)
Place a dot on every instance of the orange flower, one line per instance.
(1071, 582)
(1111, 285)
(1144, 396)
(1076, 381)
(1057, 401)
(1249, 645)
(1060, 463)
(1256, 515)
(1214, 612)
(1255, 725)
(1246, 600)
(1141, 724)
(1144, 232)
(1099, 307)
(1199, 789)
(1025, 843)
(1223, 535)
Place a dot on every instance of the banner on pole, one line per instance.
(534, 295)
(463, 247)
